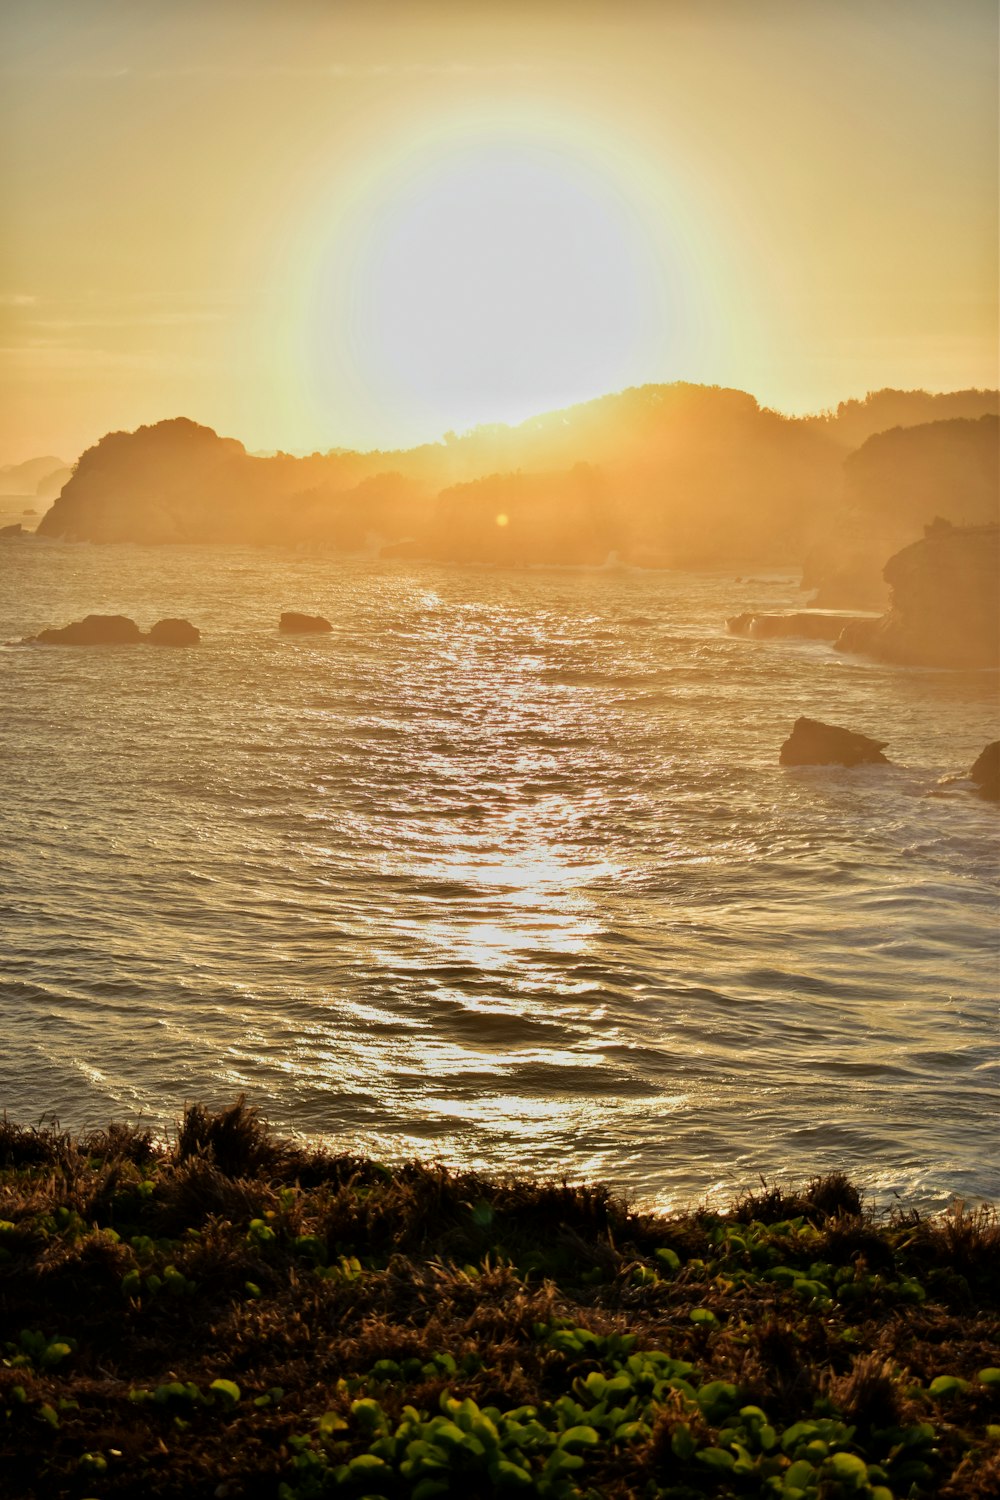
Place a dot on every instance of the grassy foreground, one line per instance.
(238, 1317)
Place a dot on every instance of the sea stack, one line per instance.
(93, 630)
(173, 633)
(294, 623)
(813, 743)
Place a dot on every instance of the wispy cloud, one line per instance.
(35, 71)
(17, 299)
(47, 359)
(457, 68)
(139, 320)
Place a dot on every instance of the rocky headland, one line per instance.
(944, 603)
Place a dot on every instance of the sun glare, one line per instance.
(489, 282)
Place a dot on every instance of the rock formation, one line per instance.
(173, 633)
(813, 743)
(806, 625)
(986, 772)
(15, 530)
(894, 484)
(944, 602)
(674, 475)
(293, 623)
(118, 630)
(94, 630)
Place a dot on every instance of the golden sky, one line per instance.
(363, 222)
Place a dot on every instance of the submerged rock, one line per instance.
(93, 630)
(986, 772)
(813, 743)
(174, 633)
(293, 623)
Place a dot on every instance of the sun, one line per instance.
(488, 281)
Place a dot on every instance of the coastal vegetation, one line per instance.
(470, 681)
(234, 1314)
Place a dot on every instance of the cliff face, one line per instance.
(944, 608)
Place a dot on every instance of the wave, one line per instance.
(405, 889)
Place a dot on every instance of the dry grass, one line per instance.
(234, 1255)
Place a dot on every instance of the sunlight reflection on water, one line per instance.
(503, 871)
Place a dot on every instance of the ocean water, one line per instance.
(502, 872)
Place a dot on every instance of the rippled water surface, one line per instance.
(503, 871)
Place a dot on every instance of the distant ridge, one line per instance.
(30, 477)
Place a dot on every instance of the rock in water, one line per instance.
(986, 772)
(174, 633)
(293, 623)
(812, 743)
(806, 625)
(94, 630)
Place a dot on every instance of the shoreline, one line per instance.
(236, 1315)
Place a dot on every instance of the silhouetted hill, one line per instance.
(565, 518)
(855, 421)
(676, 475)
(616, 428)
(358, 518)
(909, 474)
(176, 481)
(896, 483)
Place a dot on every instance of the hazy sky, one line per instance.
(362, 223)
